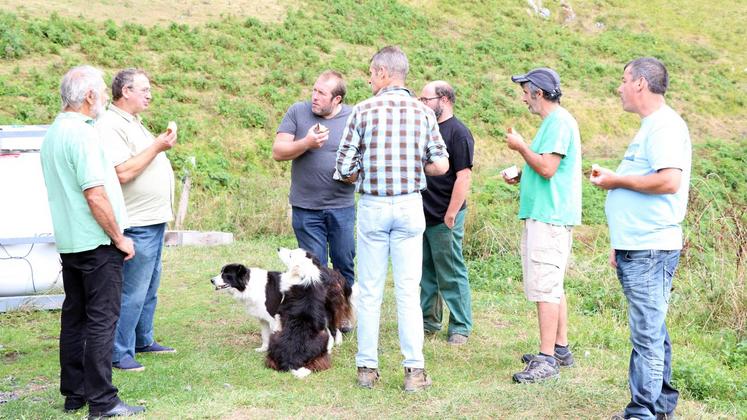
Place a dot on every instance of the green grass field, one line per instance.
(228, 75)
(217, 374)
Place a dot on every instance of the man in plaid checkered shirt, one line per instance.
(390, 144)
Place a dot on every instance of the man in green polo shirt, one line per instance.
(550, 205)
(88, 215)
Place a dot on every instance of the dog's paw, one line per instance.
(338, 337)
(300, 373)
(261, 349)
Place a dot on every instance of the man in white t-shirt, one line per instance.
(147, 181)
(646, 204)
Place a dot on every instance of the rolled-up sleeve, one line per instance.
(348, 152)
(435, 148)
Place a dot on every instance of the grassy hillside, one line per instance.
(228, 80)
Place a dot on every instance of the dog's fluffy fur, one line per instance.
(259, 290)
(303, 344)
(338, 302)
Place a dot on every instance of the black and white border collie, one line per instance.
(259, 290)
(303, 344)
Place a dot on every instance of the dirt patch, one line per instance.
(149, 13)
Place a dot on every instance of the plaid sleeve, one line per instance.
(348, 152)
(435, 148)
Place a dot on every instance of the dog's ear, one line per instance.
(241, 270)
(313, 258)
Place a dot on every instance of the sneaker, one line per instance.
(129, 364)
(416, 380)
(154, 348)
(367, 377)
(565, 360)
(457, 339)
(538, 369)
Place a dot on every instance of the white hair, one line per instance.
(393, 59)
(76, 84)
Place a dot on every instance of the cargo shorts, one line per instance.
(545, 250)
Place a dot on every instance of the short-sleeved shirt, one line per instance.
(390, 138)
(149, 197)
(461, 146)
(640, 221)
(312, 186)
(557, 200)
(73, 161)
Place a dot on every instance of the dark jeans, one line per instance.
(93, 288)
(646, 279)
(316, 228)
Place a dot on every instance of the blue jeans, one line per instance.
(390, 227)
(314, 229)
(445, 278)
(646, 279)
(142, 275)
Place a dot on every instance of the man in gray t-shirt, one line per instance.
(323, 209)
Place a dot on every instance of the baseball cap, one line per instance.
(545, 78)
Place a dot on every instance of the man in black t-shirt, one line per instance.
(444, 277)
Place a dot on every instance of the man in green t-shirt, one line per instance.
(88, 216)
(550, 205)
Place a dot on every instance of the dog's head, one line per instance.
(231, 275)
(303, 267)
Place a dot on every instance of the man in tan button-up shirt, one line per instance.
(147, 181)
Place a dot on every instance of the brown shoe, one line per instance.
(368, 377)
(457, 339)
(416, 380)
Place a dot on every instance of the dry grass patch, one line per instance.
(148, 12)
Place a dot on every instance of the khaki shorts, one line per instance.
(545, 250)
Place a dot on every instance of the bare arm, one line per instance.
(664, 181)
(458, 195)
(133, 167)
(102, 211)
(545, 164)
(286, 147)
(437, 167)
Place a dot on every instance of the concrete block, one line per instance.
(193, 237)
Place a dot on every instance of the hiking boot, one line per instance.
(416, 380)
(565, 360)
(457, 339)
(367, 377)
(538, 369)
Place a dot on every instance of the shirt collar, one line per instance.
(398, 90)
(72, 115)
(124, 114)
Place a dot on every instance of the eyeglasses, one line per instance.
(425, 99)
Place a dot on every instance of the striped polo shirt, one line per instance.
(389, 138)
